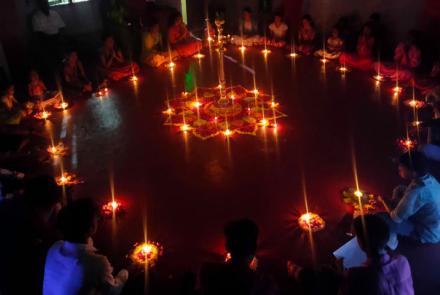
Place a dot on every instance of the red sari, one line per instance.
(363, 58)
(180, 40)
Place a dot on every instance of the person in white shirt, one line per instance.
(47, 26)
(278, 29)
(72, 264)
(46, 20)
(417, 213)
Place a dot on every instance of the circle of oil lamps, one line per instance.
(414, 103)
(43, 115)
(57, 150)
(146, 253)
(112, 208)
(66, 179)
(311, 222)
(406, 144)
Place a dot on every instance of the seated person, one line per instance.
(417, 213)
(74, 76)
(236, 276)
(152, 53)
(11, 112)
(247, 30)
(429, 85)
(382, 273)
(306, 36)
(277, 32)
(38, 92)
(112, 62)
(432, 147)
(407, 58)
(363, 58)
(72, 264)
(180, 38)
(333, 47)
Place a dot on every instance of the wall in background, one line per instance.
(399, 16)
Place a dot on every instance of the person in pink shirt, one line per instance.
(382, 273)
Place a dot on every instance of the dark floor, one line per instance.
(183, 189)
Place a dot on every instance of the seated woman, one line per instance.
(407, 58)
(277, 32)
(10, 111)
(334, 46)
(112, 62)
(363, 58)
(152, 55)
(247, 30)
(180, 38)
(38, 92)
(74, 76)
(306, 36)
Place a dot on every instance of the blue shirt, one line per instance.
(421, 206)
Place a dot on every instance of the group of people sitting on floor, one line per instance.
(55, 243)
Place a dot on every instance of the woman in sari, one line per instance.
(74, 76)
(180, 38)
(306, 36)
(152, 53)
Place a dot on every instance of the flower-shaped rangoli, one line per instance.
(203, 113)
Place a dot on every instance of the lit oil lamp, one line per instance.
(219, 86)
(134, 78)
(168, 111)
(67, 179)
(324, 60)
(414, 103)
(227, 132)
(196, 104)
(266, 52)
(397, 90)
(293, 55)
(416, 123)
(185, 128)
(146, 253)
(102, 92)
(199, 55)
(210, 39)
(274, 104)
(264, 123)
(232, 96)
(61, 105)
(43, 115)
(253, 265)
(171, 65)
(311, 222)
(255, 91)
(112, 208)
(242, 48)
(56, 150)
(343, 69)
(378, 77)
(407, 144)
(358, 193)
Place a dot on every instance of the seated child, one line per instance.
(38, 92)
(277, 32)
(363, 58)
(306, 36)
(152, 55)
(74, 76)
(180, 38)
(334, 46)
(407, 58)
(112, 62)
(247, 30)
(10, 110)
